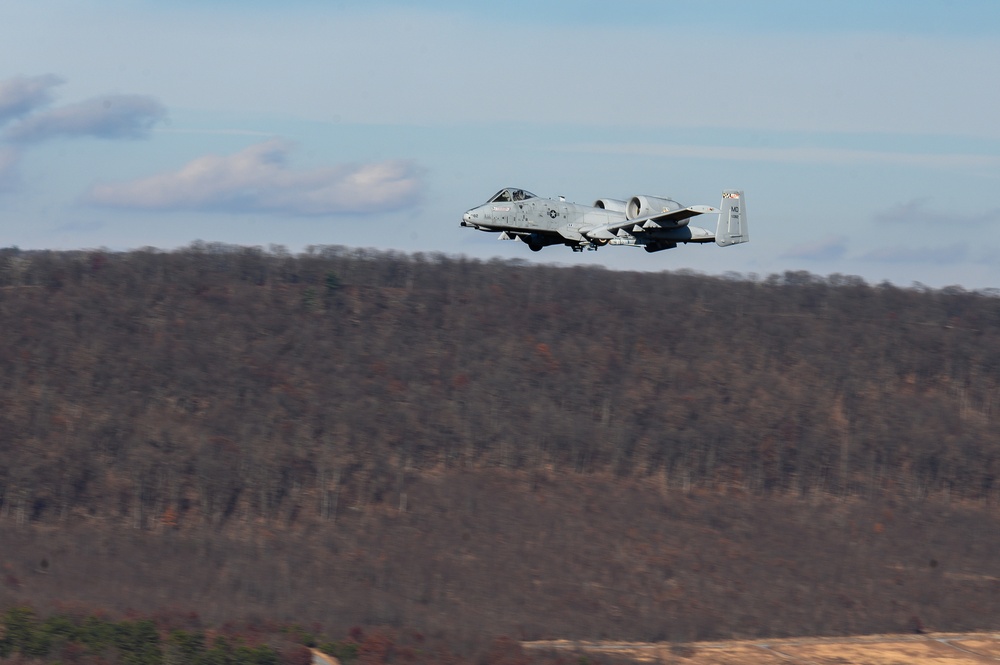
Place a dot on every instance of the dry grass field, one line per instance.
(929, 649)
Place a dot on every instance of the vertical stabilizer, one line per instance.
(732, 228)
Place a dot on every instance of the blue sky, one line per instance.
(865, 135)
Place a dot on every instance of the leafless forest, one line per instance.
(467, 450)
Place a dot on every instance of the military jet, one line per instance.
(651, 222)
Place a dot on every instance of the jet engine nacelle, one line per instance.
(614, 205)
(641, 206)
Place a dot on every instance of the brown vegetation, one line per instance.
(476, 449)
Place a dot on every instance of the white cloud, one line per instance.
(79, 227)
(107, 117)
(830, 248)
(709, 73)
(945, 254)
(917, 212)
(9, 159)
(258, 179)
(22, 94)
(215, 132)
(795, 155)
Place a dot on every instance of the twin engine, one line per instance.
(643, 206)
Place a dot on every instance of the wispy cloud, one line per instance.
(22, 94)
(830, 248)
(918, 212)
(79, 227)
(792, 155)
(215, 132)
(9, 159)
(945, 254)
(107, 117)
(258, 179)
(23, 102)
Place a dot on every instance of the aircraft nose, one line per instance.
(467, 218)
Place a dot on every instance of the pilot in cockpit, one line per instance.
(518, 195)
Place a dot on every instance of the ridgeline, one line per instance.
(474, 449)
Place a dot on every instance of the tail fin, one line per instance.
(732, 228)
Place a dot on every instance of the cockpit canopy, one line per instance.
(511, 194)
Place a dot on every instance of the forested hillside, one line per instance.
(442, 438)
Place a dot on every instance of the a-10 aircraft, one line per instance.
(653, 223)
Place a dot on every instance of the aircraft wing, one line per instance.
(662, 220)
